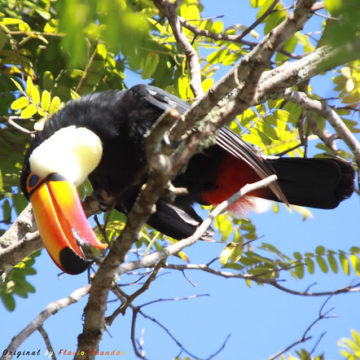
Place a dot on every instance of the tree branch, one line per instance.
(94, 312)
(243, 77)
(258, 21)
(38, 321)
(271, 282)
(138, 310)
(155, 257)
(130, 298)
(158, 179)
(271, 83)
(327, 139)
(274, 82)
(306, 337)
(49, 347)
(21, 240)
(329, 114)
(169, 10)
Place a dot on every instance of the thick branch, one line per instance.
(244, 77)
(274, 82)
(158, 179)
(95, 310)
(21, 240)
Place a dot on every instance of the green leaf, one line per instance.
(10, 21)
(29, 111)
(310, 265)
(43, 13)
(19, 87)
(333, 6)
(344, 263)
(257, 3)
(8, 301)
(320, 250)
(270, 131)
(356, 337)
(332, 262)
(322, 264)
(237, 252)
(102, 50)
(3, 39)
(355, 250)
(184, 87)
(151, 63)
(29, 86)
(217, 27)
(47, 80)
(355, 263)
(45, 100)
(224, 225)
(20, 103)
(35, 95)
(74, 95)
(299, 270)
(226, 253)
(207, 84)
(273, 20)
(217, 56)
(55, 104)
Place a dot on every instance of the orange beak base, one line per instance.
(59, 213)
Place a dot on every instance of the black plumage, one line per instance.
(121, 118)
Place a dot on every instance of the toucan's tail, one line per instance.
(319, 183)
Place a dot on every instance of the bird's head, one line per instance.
(52, 170)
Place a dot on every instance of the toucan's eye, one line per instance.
(33, 182)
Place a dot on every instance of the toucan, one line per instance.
(101, 137)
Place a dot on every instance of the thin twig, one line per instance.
(172, 249)
(330, 115)
(328, 140)
(152, 302)
(259, 20)
(132, 297)
(305, 336)
(229, 275)
(11, 121)
(85, 72)
(38, 321)
(169, 10)
(168, 332)
(50, 349)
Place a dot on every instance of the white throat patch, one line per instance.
(73, 152)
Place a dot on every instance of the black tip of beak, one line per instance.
(71, 262)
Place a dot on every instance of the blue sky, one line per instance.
(261, 320)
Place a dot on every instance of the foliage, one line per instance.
(350, 347)
(14, 281)
(52, 51)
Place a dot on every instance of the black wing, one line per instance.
(225, 138)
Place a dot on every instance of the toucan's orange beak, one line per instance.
(59, 215)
